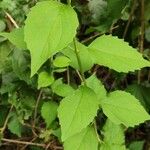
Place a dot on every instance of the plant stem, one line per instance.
(79, 61)
(23, 142)
(25, 146)
(96, 35)
(12, 20)
(95, 127)
(141, 41)
(130, 18)
(69, 2)
(68, 76)
(78, 73)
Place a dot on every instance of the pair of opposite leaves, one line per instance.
(51, 26)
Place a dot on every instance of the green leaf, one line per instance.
(121, 107)
(77, 111)
(136, 145)
(60, 70)
(141, 93)
(45, 79)
(2, 25)
(8, 84)
(83, 54)
(62, 89)
(3, 115)
(57, 83)
(147, 34)
(61, 61)
(49, 112)
(16, 37)
(106, 12)
(4, 53)
(20, 65)
(115, 8)
(57, 133)
(98, 10)
(146, 11)
(113, 133)
(50, 27)
(112, 147)
(95, 84)
(27, 106)
(15, 126)
(114, 138)
(116, 54)
(85, 140)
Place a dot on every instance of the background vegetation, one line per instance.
(24, 106)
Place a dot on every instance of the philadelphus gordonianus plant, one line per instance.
(50, 34)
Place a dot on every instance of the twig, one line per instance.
(113, 85)
(23, 142)
(27, 145)
(96, 35)
(142, 30)
(11, 20)
(48, 145)
(30, 126)
(130, 18)
(95, 69)
(33, 128)
(51, 145)
(58, 148)
(6, 121)
(36, 107)
(107, 76)
(91, 37)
